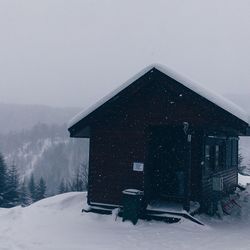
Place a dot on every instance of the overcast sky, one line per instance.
(70, 53)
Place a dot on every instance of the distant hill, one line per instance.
(15, 117)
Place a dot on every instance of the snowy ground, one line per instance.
(57, 223)
(243, 179)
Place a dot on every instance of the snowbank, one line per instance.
(57, 223)
(243, 179)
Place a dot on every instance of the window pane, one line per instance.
(229, 153)
(207, 152)
(217, 154)
(234, 152)
(207, 158)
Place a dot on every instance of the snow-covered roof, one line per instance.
(208, 94)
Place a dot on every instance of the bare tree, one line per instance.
(80, 181)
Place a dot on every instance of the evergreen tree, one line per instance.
(3, 177)
(12, 193)
(32, 188)
(25, 198)
(41, 190)
(63, 187)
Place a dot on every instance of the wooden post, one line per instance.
(187, 147)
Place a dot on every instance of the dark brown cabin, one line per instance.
(163, 135)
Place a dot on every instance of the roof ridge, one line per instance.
(211, 96)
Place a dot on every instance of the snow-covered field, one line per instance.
(57, 223)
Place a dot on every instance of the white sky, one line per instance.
(70, 53)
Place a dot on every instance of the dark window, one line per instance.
(222, 155)
(207, 158)
(216, 156)
(207, 152)
(229, 153)
(234, 152)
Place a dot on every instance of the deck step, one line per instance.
(177, 215)
(169, 217)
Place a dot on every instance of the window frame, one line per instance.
(223, 154)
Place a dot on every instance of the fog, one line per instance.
(70, 53)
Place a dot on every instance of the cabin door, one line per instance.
(167, 156)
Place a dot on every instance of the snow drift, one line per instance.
(57, 223)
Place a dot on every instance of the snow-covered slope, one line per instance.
(57, 223)
(46, 151)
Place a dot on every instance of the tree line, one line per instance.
(14, 192)
(78, 183)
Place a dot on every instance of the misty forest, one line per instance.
(38, 159)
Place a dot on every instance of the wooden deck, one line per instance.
(165, 211)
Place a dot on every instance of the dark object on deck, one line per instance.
(163, 135)
(132, 204)
(242, 188)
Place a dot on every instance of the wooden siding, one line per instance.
(230, 181)
(111, 164)
(196, 166)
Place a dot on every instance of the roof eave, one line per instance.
(79, 133)
(248, 131)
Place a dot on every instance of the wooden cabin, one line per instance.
(164, 135)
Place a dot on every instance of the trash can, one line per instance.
(132, 204)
